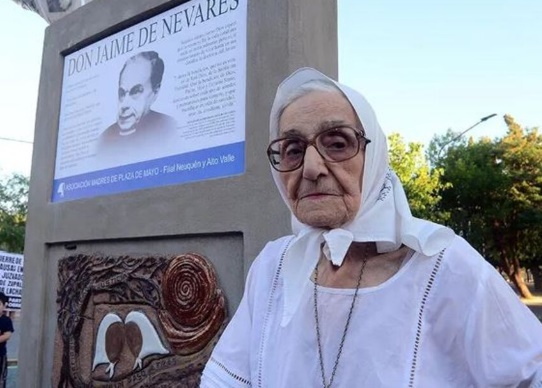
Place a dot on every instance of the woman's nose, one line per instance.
(313, 164)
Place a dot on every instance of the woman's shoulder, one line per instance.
(458, 274)
(265, 268)
(273, 249)
(270, 257)
(459, 263)
(464, 273)
(461, 260)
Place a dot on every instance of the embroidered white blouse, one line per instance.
(444, 321)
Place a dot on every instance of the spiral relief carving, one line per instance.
(194, 305)
(135, 321)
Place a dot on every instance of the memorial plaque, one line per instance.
(158, 103)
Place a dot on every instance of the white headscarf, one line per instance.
(384, 215)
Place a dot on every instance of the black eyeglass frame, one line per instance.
(360, 136)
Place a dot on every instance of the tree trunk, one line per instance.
(518, 280)
(513, 270)
(511, 266)
(506, 265)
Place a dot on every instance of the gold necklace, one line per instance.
(318, 338)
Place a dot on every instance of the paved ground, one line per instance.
(535, 305)
(13, 350)
(537, 310)
(12, 377)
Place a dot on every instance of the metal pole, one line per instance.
(465, 131)
(17, 140)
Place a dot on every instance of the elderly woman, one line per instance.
(363, 294)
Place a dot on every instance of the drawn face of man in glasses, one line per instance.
(136, 93)
(322, 194)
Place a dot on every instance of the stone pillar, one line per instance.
(225, 221)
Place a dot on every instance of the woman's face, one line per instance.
(322, 194)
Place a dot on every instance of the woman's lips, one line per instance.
(316, 195)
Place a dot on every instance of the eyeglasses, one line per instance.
(334, 145)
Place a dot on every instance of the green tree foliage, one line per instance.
(13, 209)
(421, 183)
(440, 144)
(473, 180)
(494, 197)
(522, 163)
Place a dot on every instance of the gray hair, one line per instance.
(315, 85)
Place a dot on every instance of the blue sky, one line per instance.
(21, 37)
(425, 66)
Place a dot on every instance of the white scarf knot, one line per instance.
(337, 243)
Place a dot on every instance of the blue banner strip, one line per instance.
(210, 163)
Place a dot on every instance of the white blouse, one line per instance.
(444, 321)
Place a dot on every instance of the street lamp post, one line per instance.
(465, 131)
